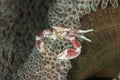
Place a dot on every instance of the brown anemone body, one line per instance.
(101, 56)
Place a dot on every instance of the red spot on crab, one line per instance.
(38, 42)
(40, 34)
(71, 52)
(75, 43)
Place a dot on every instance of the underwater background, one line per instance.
(21, 20)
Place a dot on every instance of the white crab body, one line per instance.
(63, 32)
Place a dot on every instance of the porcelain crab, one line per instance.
(63, 32)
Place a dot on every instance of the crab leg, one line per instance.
(39, 43)
(61, 28)
(71, 53)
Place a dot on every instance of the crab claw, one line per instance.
(40, 45)
(39, 35)
(69, 54)
(38, 40)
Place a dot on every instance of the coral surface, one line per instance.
(69, 12)
(46, 66)
(20, 21)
